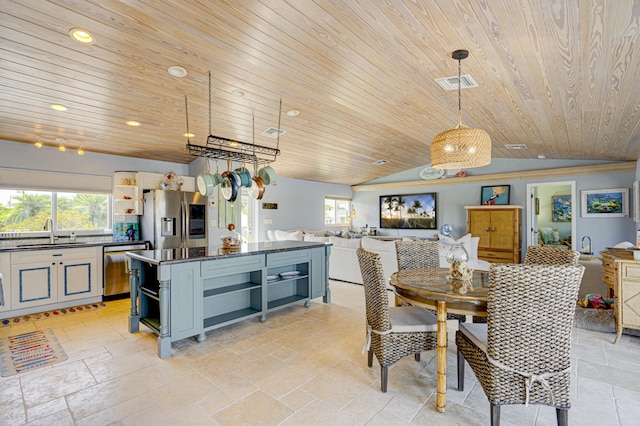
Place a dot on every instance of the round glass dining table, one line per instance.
(431, 289)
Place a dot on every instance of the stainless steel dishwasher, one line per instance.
(116, 271)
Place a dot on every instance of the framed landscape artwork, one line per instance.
(409, 211)
(561, 205)
(494, 195)
(605, 202)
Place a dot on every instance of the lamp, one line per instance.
(460, 147)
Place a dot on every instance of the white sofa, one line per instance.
(343, 263)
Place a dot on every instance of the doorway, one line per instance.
(551, 213)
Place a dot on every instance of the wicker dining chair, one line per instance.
(421, 254)
(541, 255)
(522, 354)
(393, 332)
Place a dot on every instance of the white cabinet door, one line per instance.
(77, 279)
(34, 284)
(5, 270)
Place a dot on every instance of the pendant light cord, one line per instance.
(459, 95)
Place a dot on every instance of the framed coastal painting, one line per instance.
(409, 211)
(494, 195)
(561, 205)
(605, 202)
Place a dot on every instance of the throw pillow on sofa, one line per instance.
(377, 246)
(353, 243)
(288, 235)
(315, 238)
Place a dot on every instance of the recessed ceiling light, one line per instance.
(239, 93)
(177, 71)
(293, 113)
(132, 123)
(81, 36)
(58, 107)
(189, 135)
(61, 148)
(80, 151)
(38, 144)
(380, 162)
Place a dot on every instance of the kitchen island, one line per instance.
(181, 293)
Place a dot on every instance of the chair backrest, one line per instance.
(530, 312)
(417, 254)
(375, 290)
(540, 255)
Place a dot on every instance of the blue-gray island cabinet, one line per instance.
(180, 293)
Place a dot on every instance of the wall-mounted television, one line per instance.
(409, 211)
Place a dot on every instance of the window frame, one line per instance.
(106, 231)
(349, 217)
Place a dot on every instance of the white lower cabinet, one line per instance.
(5, 270)
(43, 277)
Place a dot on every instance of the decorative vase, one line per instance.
(457, 257)
(457, 253)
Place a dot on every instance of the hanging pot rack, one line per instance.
(220, 148)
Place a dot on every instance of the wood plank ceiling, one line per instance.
(558, 76)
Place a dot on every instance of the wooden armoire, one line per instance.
(499, 229)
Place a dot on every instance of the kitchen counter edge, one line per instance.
(197, 254)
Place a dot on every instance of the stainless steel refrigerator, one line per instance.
(174, 219)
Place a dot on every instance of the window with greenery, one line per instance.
(337, 211)
(24, 211)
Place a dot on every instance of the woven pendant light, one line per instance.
(461, 147)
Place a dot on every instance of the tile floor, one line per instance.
(302, 366)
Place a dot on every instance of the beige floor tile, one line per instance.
(297, 399)
(257, 408)
(116, 367)
(94, 399)
(49, 383)
(59, 418)
(12, 412)
(47, 409)
(320, 413)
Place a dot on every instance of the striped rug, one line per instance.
(27, 351)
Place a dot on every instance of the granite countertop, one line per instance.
(66, 245)
(196, 254)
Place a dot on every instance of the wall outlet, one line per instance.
(268, 221)
(214, 223)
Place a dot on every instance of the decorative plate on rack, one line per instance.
(431, 173)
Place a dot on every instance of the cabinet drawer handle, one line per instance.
(487, 229)
(53, 263)
(61, 263)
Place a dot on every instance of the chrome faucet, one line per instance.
(48, 226)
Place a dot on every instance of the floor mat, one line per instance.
(27, 351)
(51, 314)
